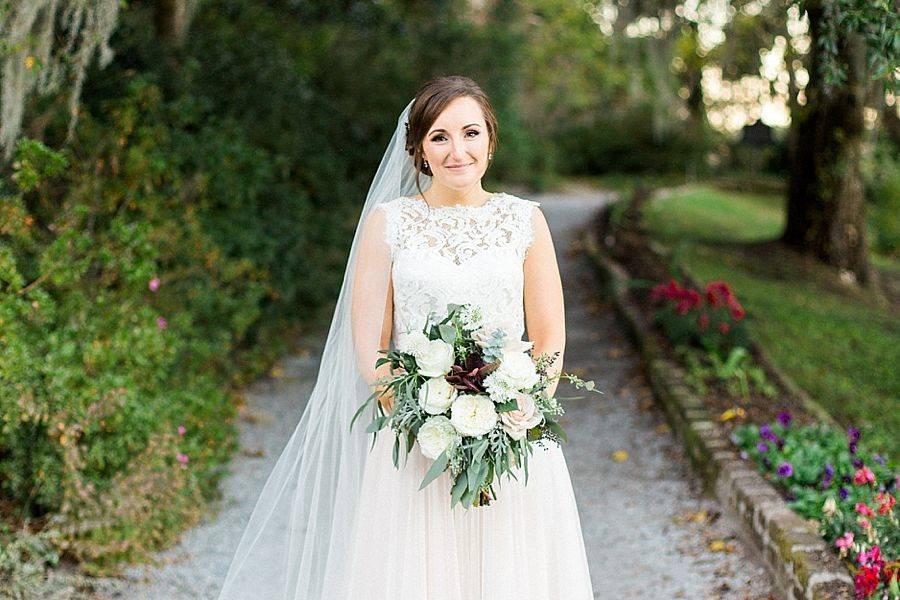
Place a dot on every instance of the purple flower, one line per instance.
(854, 434)
(785, 469)
(784, 418)
(852, 447)
(879, 459)
(744, 455)
(829, 475)
(765, 432)
(846, 478)
(762, 447)
(843, 493)
(857, 463)
(766, 462)
(153, 284)
(161, 323)
(779, 443)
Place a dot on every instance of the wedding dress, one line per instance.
(408, 544)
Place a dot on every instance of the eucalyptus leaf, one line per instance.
(458, 488)
(440, 463)
(448, 333)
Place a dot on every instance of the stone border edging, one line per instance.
(803, 565)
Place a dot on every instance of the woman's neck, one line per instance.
(438, 195)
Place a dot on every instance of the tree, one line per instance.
(826, 202)
(45, 44)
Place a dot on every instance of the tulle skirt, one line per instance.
(408, 544)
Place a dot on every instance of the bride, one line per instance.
(336, 520)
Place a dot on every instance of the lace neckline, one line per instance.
(455, 207)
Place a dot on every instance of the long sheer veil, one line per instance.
(296, 541)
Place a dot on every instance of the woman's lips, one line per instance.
(459, 167)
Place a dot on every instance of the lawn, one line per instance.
(832, 340)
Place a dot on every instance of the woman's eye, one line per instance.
(440, 137)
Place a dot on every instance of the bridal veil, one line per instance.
(295, 543)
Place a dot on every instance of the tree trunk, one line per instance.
(826, 202)
(171, 20)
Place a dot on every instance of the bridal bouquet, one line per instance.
(474, 399)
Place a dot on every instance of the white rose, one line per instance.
(472, 414)
(412, 342)
(435, 436)
(517, 369)
(517, 422)
(436, 395)
(435, 358)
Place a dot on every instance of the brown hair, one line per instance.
(430, 101)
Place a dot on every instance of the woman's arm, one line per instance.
(545, 318)
(372, 298)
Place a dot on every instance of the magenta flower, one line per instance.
(181, 430)
(182, 458)
(153, 284)
(161, 323)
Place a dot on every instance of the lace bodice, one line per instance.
(458, 254)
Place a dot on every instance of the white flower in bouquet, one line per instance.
(436, 395)
(498, 388)
(517, 422)
(412, 342)
(518, 370)
(471, 316)
(436, 435)
(435, 358)
(473, 414)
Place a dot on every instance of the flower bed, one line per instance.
(829, 477)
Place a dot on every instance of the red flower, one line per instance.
(686, 298)
(866, 581)
(737, 311)
(864, 509)
(724, 327)
(718, 293)
(703, 321)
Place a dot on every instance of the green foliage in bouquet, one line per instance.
(463, 359)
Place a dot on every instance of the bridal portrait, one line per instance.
(489, 300)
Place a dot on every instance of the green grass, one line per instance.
(835, 343)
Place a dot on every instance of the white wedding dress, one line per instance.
(407, 544)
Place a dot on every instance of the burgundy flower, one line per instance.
(469, 377)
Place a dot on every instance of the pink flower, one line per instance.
(864, 523)
(864, 475)
(864, 509)
(153, 285)
(871, 557)
(845, 541)
(182, 458)
(703, 321)
(724, 327)
(161, 323)
(181, 430)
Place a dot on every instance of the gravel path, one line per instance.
(647, 527)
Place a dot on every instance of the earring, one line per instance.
(425, 164)
(490, 156)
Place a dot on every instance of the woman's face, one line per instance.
(456, 146)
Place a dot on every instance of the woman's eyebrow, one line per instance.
(463, 127)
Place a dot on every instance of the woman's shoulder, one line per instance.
(519, 200)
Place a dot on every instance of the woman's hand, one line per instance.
(387, 398)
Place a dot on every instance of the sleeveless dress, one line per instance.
(408, 544)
